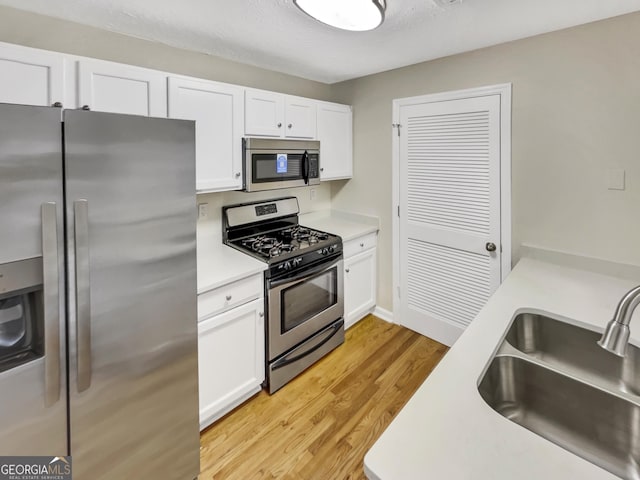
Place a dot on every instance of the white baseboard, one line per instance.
(384, 314)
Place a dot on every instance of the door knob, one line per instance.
(490, 246)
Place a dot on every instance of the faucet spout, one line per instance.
(616, 336)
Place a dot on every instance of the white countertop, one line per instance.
(223, 265)
(447, 431)
(347, 225)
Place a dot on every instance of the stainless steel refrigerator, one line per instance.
(98, 322)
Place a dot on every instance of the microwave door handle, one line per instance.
(305, 167)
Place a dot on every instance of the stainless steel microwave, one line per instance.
(270, 164)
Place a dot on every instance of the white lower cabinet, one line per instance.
(230, 359)
(359, 278)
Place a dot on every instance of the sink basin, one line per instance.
(574, 350)
(599, 426)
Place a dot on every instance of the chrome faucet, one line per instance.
(616, 336)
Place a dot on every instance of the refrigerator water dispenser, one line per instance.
(21, 322)
(12, 321)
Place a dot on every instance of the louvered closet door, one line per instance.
(450, 211)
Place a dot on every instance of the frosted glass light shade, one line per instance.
(355, 15)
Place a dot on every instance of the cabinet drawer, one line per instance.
(360, 244)
(229, 296)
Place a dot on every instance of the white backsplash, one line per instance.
(210, 228)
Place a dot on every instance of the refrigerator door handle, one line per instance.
(51, 302)
(83, 299)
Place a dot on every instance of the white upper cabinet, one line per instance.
(31, 77)
(300, 117)
(264, 113)
(223, 113)
(112, 87)
(272, 114)
(335, 132)
(218, 111)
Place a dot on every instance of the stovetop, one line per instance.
(269, 231)
(274, 246)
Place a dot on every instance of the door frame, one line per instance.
(504, 91)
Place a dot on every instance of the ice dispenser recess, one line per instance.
(21, 313)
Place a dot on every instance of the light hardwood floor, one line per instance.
(320, 425)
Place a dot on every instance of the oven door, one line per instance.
(303, 304)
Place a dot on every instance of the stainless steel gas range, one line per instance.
(304, 300)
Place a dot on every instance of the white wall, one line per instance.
(576, 113)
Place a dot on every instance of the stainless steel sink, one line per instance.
(575, 350)
(600, 427)
(552, 378)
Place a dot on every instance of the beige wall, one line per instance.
(576, 113)
(48, 33)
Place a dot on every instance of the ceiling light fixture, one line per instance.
(355, 15)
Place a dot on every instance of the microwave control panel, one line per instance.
(314, 165)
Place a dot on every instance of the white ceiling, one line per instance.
(274, 34)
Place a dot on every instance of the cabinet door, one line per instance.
(30, 77)
(116, 88)
(264, 113)
(359, 286)
(217, 109)
(335, 132)
(230, 359)
(300, 117)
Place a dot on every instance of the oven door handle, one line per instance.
(330, 332)
(296, 278)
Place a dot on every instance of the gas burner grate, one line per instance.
(260, 242)
(304, 234)
(268, 246)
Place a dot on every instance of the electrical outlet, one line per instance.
(312, 194)
(202, 210)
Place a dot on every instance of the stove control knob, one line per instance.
(287, 265)
(297, 261)
(324, 251)
(333, 248)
